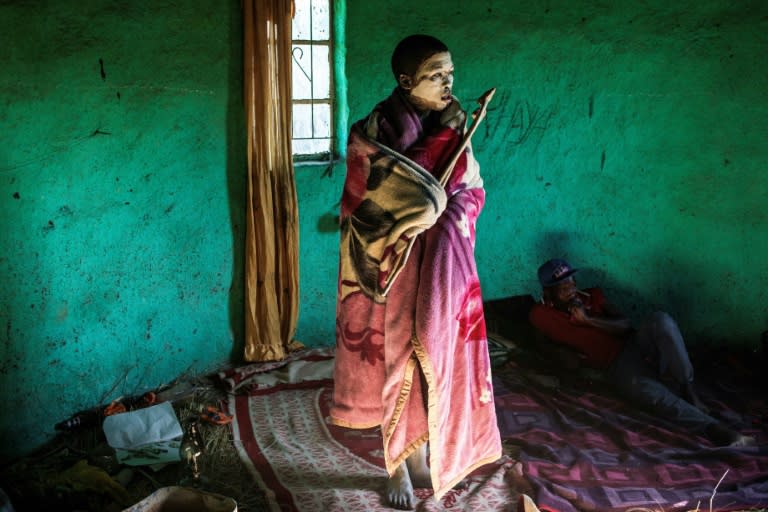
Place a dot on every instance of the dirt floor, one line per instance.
(48, 480)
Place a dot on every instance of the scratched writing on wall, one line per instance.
(517, 122)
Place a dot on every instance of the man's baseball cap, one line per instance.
(555, 271)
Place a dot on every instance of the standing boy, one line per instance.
(411, 349)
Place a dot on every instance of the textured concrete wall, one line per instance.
(121, 172)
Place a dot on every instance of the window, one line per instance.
(312, 56)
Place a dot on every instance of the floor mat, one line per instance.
(584, 449)
(304, 463)
(570, 445)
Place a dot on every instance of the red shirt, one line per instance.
(599, 347)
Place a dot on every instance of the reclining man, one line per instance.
(636, 360)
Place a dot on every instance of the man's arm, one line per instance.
(617, 324)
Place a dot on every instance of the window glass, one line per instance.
(312, 78)
(311, 75)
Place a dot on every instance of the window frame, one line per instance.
(332, 152)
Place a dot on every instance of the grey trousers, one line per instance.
(656, 354)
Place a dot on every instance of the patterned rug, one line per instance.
(571, 446)
(305, 464)
(584, 449)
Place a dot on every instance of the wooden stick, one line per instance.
(478, 116)
(484, 100)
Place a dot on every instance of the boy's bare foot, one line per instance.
(418, 468)
(414, 472)
(399, 493)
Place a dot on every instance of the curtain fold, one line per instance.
(272, 240)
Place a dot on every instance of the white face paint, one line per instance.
(430, 88)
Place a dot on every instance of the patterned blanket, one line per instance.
(585, 449)
(571, 445)
(410, 326)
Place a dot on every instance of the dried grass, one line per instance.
(222, 470)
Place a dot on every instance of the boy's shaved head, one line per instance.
(412, 51)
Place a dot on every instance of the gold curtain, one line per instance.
(272, 241)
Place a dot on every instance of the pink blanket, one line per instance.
(412, 354)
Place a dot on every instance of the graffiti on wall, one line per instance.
(517, 122)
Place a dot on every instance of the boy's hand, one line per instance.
(454, 116)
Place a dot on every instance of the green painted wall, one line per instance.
(630, 138)
(121, 195)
